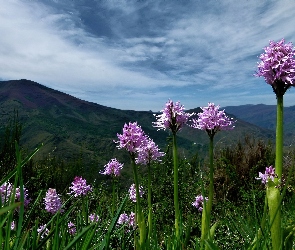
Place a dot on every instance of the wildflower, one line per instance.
(123, 218)
(113, 167)
(132, 222)
(12, 225)
(79, 187)
(148, 152)
(277, 66)
(43, 231)
(173, 117)
(52, 201)
(132, 137)
(269, 174)
(5, 191)
(26, 198)
(93, 218)
(132, 192)
(71, 228)
(199, 202)
(212, 120)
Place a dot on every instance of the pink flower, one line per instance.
(79, 187)
(132, 192)
(199, 202)
(52, 201)
(131, 138)
(131, 221)
(43, 231)
(269, 174)
(93, 218)
(173, 117)
(124, 219)
(113, 167)
(148, 152)
(26, 198)
(5, 191)
(212, 120)
(277, 65)
(12, 225)
(71, 228)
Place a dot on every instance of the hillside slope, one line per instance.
(265, 116)
(70, 127)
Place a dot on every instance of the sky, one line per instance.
(138, 54)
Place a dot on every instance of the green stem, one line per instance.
(138, 213)
(176, 202)
(279, 136)
(206, 214)
(113, 205)
(273, 191)
(150, 218)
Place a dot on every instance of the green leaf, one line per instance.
(10, 207)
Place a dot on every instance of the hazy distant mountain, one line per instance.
(265, 116)
(69, 127)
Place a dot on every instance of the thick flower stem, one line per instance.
(279, 136)
(206, 214)
(273, 191)
(176, 202)
(150, 218)
(139, 214)
(114, 198)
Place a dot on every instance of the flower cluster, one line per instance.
(132, 192)
(199, 202)
(269, 174)
(6, 190)
(71, 228)
(43, 231)
(148, 152)
(93, 218)
(212, 120)
(79, 187)
(113, 167)
(132, 137)
(173, 117)
(278, 64)
(26, 198)
(124, 219)
(52, 201)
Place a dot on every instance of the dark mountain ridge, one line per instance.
(70, 127)
(265, 116)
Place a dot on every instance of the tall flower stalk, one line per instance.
(113, 168)
(132, 139)
(277, 66)
(211, 120)
(174, 118)
(147, 153)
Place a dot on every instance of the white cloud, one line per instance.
(155, 50)
(38, 44)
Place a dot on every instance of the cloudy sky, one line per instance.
(137, 54)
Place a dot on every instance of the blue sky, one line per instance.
(137, 54)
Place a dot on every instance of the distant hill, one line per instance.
(265, 116)
(70, 127)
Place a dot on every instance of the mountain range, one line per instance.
(69, 127)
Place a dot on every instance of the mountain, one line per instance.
(69, 127)
(265, 116)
